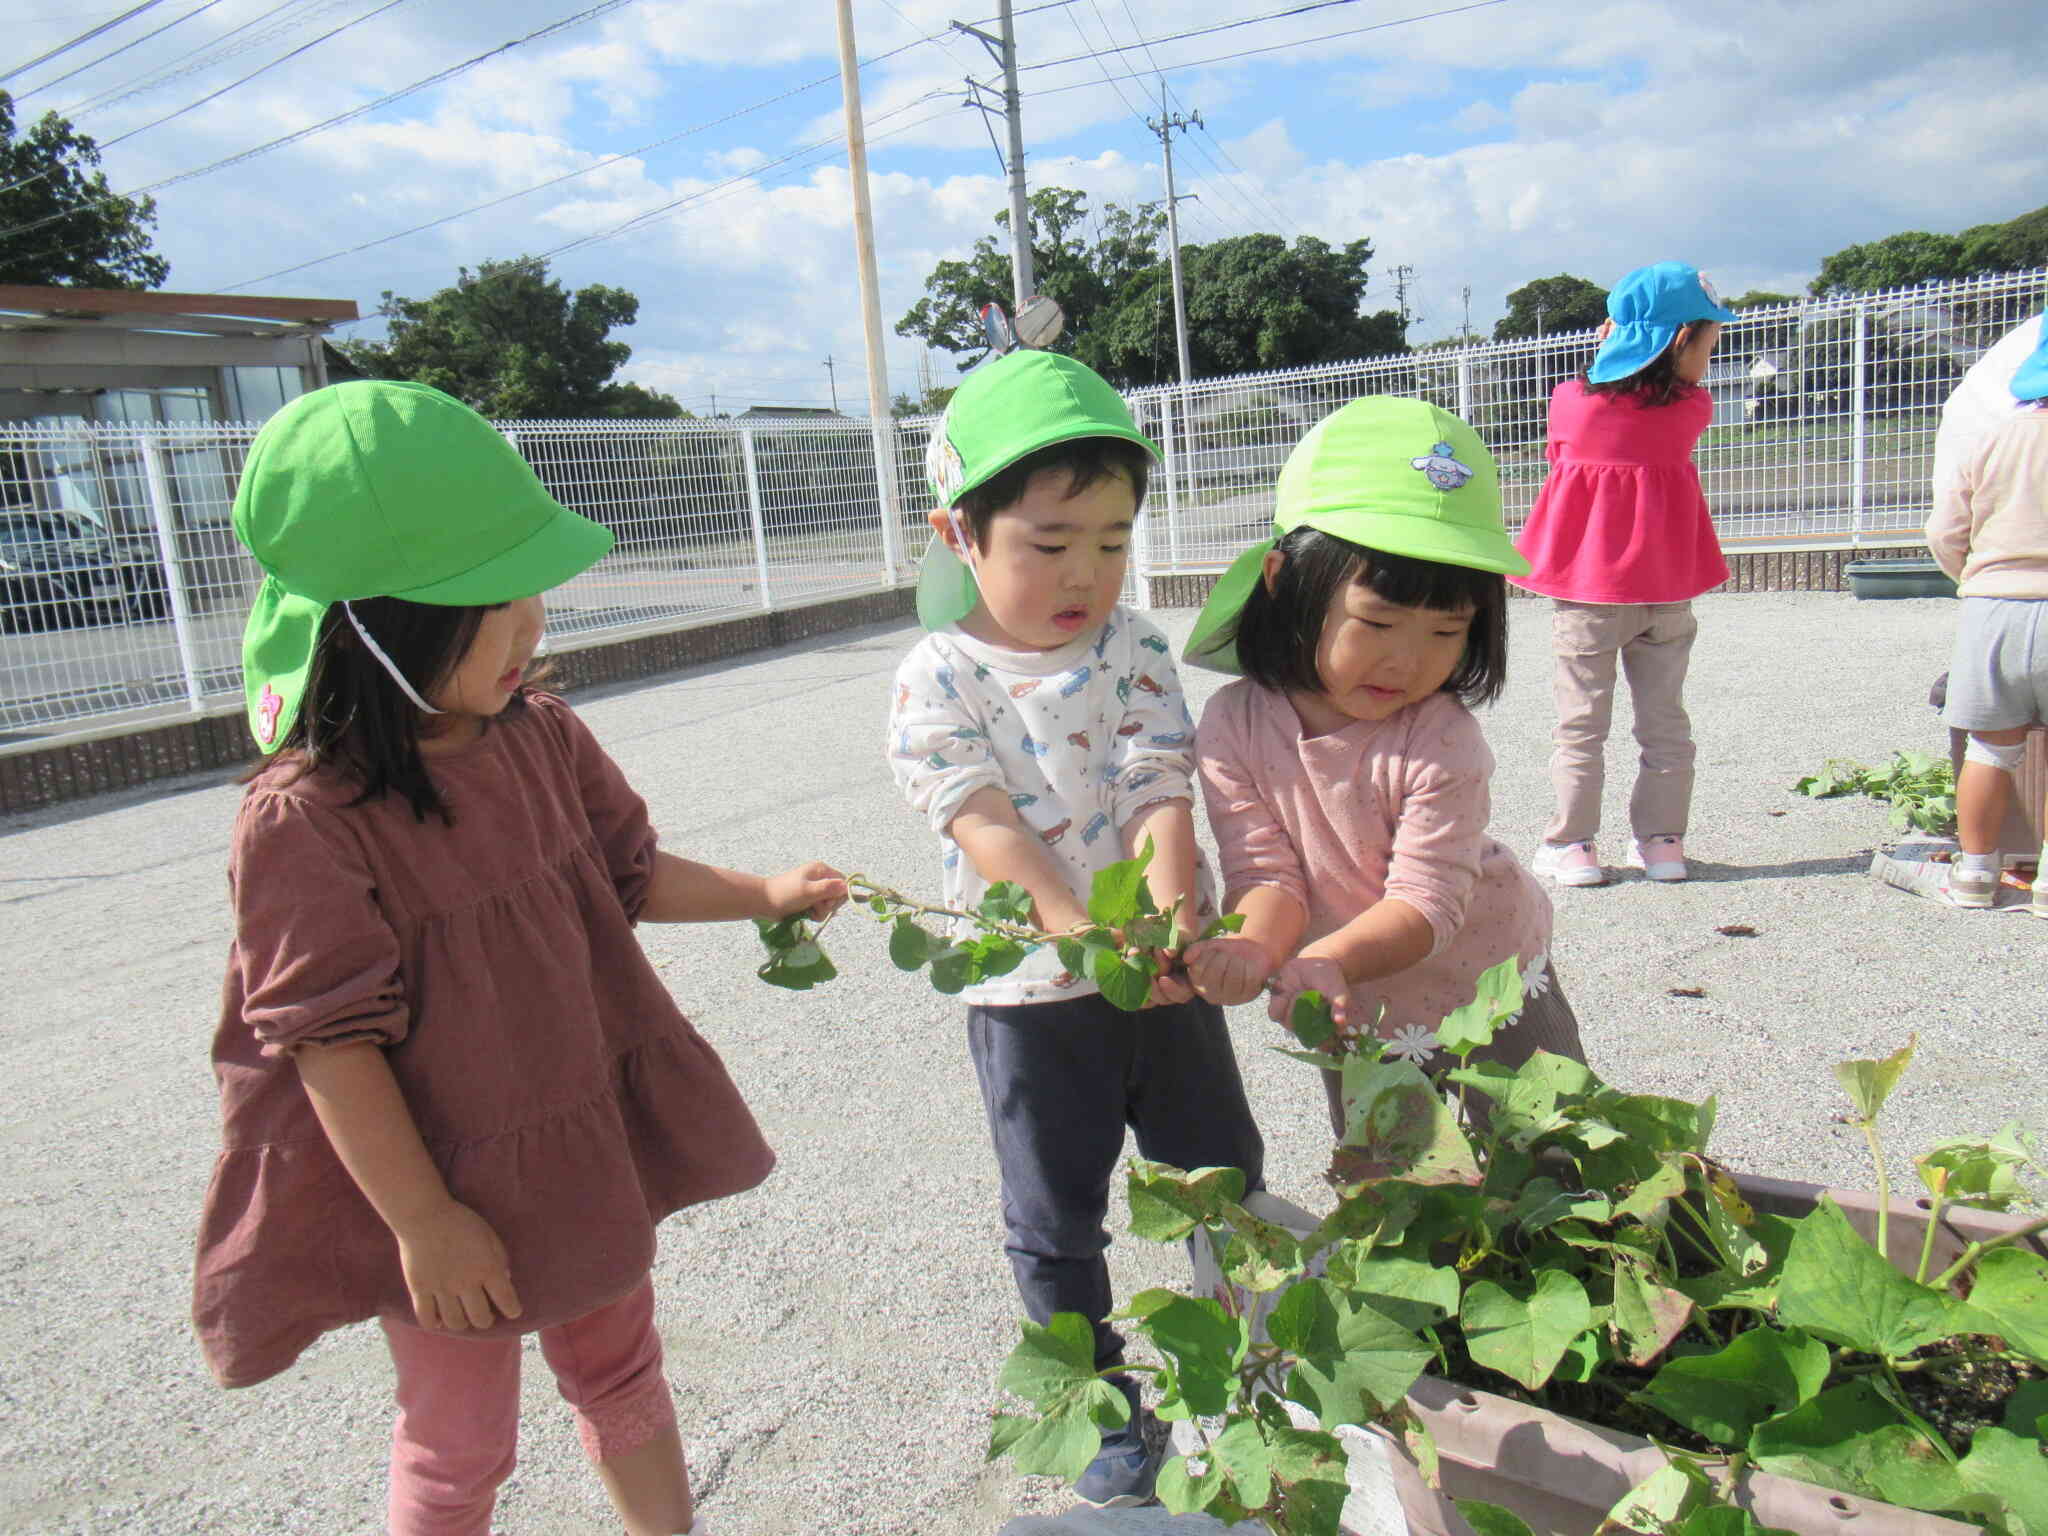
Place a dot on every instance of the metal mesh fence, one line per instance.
(122, 587)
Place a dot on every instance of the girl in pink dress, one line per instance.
(1621, 540)
(455, 1095)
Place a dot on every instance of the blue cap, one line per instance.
(2030, 382)
(1647, 308)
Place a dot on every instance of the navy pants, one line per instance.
(1060, 1081)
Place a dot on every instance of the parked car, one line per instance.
(56, 569)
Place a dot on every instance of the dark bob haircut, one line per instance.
(1086, 459)
(1655, 383)
(1277, 632)
(355, 718)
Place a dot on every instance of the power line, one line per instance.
(1299, 42)
(624, 154)
(590, 14)
(83, 37)
(95, 64)
(1175, 37)
(204, 56)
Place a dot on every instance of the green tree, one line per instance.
(1896, 261)
(1762, 298)
(515, 344)
(1549, 306)
(103, 241)
(2018, 245)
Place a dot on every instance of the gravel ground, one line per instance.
(834, 1336)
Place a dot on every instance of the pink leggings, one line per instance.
(458, 1408)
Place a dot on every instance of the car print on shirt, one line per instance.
(1079, 739)
(1131, 728)
(1097, 825)
(1020, 801)
(1028, 686)
(1123, 691)
(1139, 778)
(1148, 684)
(1153, 643)
(943, 676)
(1102, 641)
(1032, 746)
(1075, 681)
(1169, 739)
(1054, 834)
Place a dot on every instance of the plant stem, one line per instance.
(1976, 1251)
(1884, 1187)
(1927, 1241)
(911, 904)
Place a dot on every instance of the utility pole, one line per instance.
(1401, 275)
(880, 423)
(1165, 128)
(834, 378)
(1539, 319)
(1023, 282)
(1468, 315)
(714, 402)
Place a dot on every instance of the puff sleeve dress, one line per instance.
(557, 1086)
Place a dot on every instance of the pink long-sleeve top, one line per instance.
(1622, 518)
(1387, 808)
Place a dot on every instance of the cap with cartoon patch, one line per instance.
(1008, 407)
(1388, 473)
(381, 489)
(1648, 307)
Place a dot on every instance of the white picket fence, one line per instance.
(1824, 429)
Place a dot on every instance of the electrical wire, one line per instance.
(590, 14)
(84, 37)
(205, 56)
(207, 5)
(1146, 43)
(625, 154)
(1299, 42)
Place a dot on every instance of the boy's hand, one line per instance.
(815, 889)
(456, 1270)
(1171, 985)
(1228, 969)
(1311, 973)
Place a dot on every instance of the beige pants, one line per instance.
(1654, 644)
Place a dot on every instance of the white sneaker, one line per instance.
(1661, 858)
(1568, 864)
(1976, 888)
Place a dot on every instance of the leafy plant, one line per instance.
(1123, 949)
(1921, 790)
(1579, 1250)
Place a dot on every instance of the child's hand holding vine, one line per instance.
(1228, 969)
(815, 889)
(1311, 973)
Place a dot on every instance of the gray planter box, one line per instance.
(1898, 578)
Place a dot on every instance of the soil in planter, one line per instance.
(1962, 1399)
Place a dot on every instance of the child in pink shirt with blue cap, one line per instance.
(1620, 539)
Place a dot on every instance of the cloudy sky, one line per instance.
(691, 150)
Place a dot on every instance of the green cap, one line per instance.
(1008, 407)
(381, 489)
(1387, 472)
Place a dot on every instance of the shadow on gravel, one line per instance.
(1847, 864)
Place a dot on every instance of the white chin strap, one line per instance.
(388, 664)
(965, 544)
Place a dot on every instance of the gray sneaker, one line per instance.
(1123, 1472)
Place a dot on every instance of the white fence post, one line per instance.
(1465, 385)
(892, 509)
(1858, 413)
(160, 517)
(754, 516)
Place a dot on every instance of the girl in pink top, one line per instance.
(1345, 777)
(1621, 539)
(455, 1095)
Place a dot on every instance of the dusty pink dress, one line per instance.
(555, 1082)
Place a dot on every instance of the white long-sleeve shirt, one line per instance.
(1082, 739)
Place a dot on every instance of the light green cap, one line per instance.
(1389, 473)
(1008, 407)
(382, 489)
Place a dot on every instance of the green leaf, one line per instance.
(1499, 993)
(1230, 922)
(1205, 1345)
(1353, 1363)
(1524, 1337)
(1649, 1202)
(952, 968)
(1167, 1203)
(2011, 1291)
(1262, 1255)
(1980, 1172)
(1182, 1492)
(995, 955)
(1125, 983)
(1724, 1520)
(1870, 1083)
(1150, 933)
(1311, 1020)
(1490, 1519)
(1243, 1454)
(2005, 1474)
(1073, 955)
(1309, 1467)
(1113, 896)
(1053, 1361)
(1543, 1201)
(1393, 1116)
(910, 946)
(781, 932)
(1059, 1445)
(1724, 1396)
(1647, 1314)
(1849, 1438)
(1006, 902)
(1837, 1287)
(1413, 1293)
(1662, 1499)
